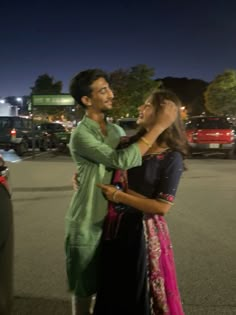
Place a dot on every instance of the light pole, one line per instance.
(20, 99)
(2, 101)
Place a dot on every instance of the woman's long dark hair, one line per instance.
(174, 136)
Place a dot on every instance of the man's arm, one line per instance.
(85, 145)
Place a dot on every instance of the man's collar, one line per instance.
(91, 122)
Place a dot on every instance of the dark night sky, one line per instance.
(193, 39)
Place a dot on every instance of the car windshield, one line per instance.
(128, 124)
(208, 123)
(49, 126)
(5, 122)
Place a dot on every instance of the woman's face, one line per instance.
(147, 115)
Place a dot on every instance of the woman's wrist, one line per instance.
(150, 137)
(114, 196)
(158, 128)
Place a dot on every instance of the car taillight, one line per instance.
(232, 135)
(13, 133)
(194, 136)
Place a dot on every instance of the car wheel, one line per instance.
(44, 145)
(229, 154)
(21, 148)
(53, 142)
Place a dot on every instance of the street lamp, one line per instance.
(2, 101)
(20, 99)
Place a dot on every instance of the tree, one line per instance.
(45, 85)
(130, 87)
(220, 96)
(190, 92)
(120, 89)
(140, 83)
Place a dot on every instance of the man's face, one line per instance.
(101, 96)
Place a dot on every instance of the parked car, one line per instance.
(58, 136)
(129, 125)
(208, 134)
(19, 133)
(6, 242)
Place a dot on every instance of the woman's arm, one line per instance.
(84, 145)
(134, 193)
(137, 201)
(165, 192)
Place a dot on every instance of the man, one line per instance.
(6, 243)
(92, 147)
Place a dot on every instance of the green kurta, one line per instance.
(95, 155)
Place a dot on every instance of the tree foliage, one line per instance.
(220, 96)
(130, 87)
(190, 92)
(45, 85)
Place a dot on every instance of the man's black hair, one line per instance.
(80, 84)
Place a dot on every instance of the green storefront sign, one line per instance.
(52, 100)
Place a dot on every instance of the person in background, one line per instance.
(6, 242)
(93, 148)
(137, 264)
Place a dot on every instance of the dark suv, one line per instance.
(210, 134)
(56, 133)
(129, 125)
(18, 133)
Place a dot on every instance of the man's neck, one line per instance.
(100, 119)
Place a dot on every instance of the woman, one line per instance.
(137, 269)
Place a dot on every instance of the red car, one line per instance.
(207, 134)
(6, 243)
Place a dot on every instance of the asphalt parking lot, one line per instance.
(202, 226)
